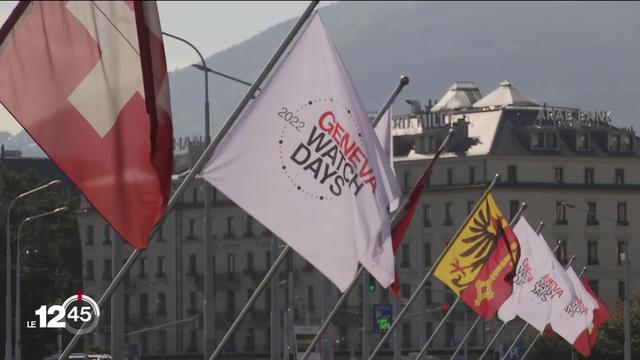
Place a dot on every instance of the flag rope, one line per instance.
(422, 283)
(404, 80)
(512, 223)
(504, 324)
(200, 163)
(539, 334)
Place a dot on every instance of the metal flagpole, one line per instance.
(526, 325)
(504, 324)
(539, 334)
(117, 300)
(204, 158)
(397, 351)
(416, 293)
(513, 221)
(366, 315)
(435, 331)
(275, 337)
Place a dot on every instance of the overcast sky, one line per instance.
(210, 26)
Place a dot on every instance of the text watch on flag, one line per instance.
(479, 262)
(305, 162)
(88, 82)
(541, 286)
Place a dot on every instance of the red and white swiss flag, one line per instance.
(88, 81)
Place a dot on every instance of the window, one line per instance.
(162, 341)
(561, 254)
(194, 195)
(449, 176)
(343, 335)
(249, 231)
(406, 179)
(230, 230)
(627, 142)
(427, 254)
(622, 249)
(551, 140)
(426, 215)
(406, 335)
(310, 301)
(512, 174)
(231, 303)
(384, 296)
(193, 303)
(472, 174)
(193, 341)
(268, 259)
(89, 233)
(614, 142)
(405, 291)
(595, 286)
(89, 273)
(621, 290)
(592, 253)
(583, 141)
(428, 293)
(448, 214)
(622, 213)
(192, 229)
(537, 140)
(144, 304)
(107, 235)
(588, 176)
(405, 256)
(470, 205)
(561, 214)
(107, 271)
(160, 237)
(514, 206)
(193, 265)
(161, 304)
(558, 175)
(144, 343)
(250, 260)
(231, 266)
(250, 345)
(619, 176)
(161, 268)
(127, 308)
(592, 213)
(449, 333)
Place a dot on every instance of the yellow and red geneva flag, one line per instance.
(480, 261)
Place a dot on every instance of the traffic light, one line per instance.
(372, 284)
(445, 308)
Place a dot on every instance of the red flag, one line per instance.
(88, 82)
(494, 283)
(587, 339)
(405, 215)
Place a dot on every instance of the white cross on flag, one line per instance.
(541, 287)
(88, 81)
(305, 162)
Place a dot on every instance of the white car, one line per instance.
(99, 356)
(78, 356)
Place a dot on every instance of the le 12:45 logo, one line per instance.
(78, 314)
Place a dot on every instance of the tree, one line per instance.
(51, 254)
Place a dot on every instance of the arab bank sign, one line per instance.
(574, 118)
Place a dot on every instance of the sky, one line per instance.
(210, 26)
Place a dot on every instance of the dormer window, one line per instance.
(583, 142)
(620, 142)
(544, 140)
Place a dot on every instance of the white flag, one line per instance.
(541, 287)
(578, 314)
(305, 162)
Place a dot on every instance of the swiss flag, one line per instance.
(88, 82)
(585, 341)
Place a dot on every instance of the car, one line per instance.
(78, 356)
(99, 356)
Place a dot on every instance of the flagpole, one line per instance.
(404, 80)
(539, 334)
(513, 221)
(422, 283)
(202, 160)
(504, 324)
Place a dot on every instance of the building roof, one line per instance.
(460, 95)
(505, 95)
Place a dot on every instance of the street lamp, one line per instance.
(18, 344)
(7, 322)
(627, 291)
(207, 69)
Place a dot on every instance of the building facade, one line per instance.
(578, 173)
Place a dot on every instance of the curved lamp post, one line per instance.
(7, 323)
(18, 344)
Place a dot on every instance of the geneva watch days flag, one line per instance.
(541, 286)
(479, 262)
(305, 162)
(88, 82)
